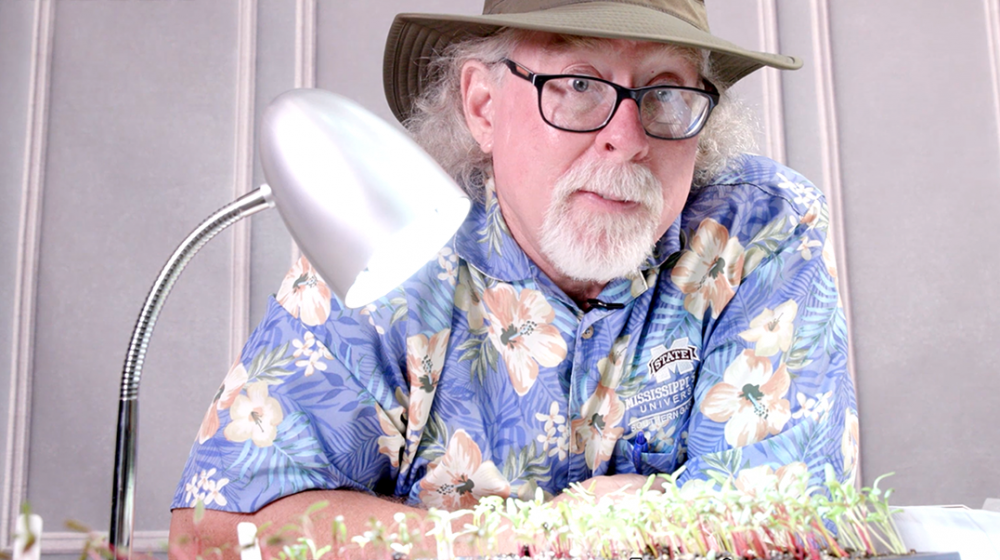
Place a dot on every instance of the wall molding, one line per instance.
(26, 274)
(305, 43)
(305, 62)
(66, 542)
(773, 103)
(829, 139)
(246, 87)
(992, 9)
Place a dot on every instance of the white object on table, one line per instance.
(29, 535)
(973, 533)
(249, 547)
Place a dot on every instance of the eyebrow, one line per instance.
(669, 76)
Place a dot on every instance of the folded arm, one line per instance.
(217, 529)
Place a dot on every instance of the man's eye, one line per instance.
(665, 95)
(581, 85)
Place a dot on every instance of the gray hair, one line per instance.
(438, 120)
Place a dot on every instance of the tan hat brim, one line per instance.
(414, 38)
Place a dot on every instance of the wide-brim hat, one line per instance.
(414, 38)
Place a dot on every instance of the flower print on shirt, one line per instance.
(805, 247)
(829, 259)
(254, 416)
(304, 294)
(710, 271)
(554, 439)
(803, 194)
(224, 397)
(849, 443)
(392, 426)
(304, 347)
(213, 492)
(597, 431)
(663, 438)
(448, 260)
(520, 329)
(204, 488)
(312, 351)
(462, 477)
(612, 367)
(749, 399)
(369, 310)
(772, 330)
(424, 360)
(814, 409)
(811, 218)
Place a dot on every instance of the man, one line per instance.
(596, 319)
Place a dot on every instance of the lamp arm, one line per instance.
(123, 491)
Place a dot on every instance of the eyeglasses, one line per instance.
(586, 104)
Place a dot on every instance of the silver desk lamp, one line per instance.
(366, 206)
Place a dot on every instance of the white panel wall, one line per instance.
(123, 123)
(921, 174)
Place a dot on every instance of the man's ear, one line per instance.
(477, 102)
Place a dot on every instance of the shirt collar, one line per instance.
(485, 242)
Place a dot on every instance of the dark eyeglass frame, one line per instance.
(635, 94)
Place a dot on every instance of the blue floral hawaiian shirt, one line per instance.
(726, 355)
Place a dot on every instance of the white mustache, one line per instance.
(628, 182)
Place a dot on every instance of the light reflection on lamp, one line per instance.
(366, 206)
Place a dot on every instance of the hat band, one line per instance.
(690, 11)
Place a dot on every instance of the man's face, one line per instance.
(588, 206)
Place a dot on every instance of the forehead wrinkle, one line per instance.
(558, 44)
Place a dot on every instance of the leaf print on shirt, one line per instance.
(495, 230)
(468, 298)
(461, 477)
(766, 242)
(772, 330)
(424, 360)
(304, 294)
(254, 416)
(520, 329)
(749, 400)
(710, 271)
(224, 397)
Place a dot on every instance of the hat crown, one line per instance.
(691, 11)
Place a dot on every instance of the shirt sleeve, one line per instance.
(774, 394)
(312, 403)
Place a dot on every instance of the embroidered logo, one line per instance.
(677, 359)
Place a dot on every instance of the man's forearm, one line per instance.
(218, 529)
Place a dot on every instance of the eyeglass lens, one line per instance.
(578, 104)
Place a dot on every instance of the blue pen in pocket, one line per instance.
(639, 447)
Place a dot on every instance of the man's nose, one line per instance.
(624, 138)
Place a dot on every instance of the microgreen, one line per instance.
(779, 517)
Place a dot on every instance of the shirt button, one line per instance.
(589, 332)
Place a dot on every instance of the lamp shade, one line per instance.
(366, 205)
